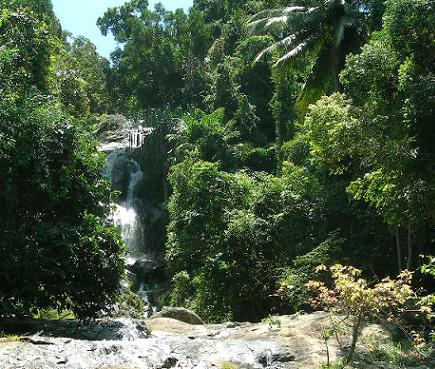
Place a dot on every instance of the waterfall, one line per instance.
(126, 176)
(139, 221)
(127, 218)
(129, 215)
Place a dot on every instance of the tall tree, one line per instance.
(148, 71)
(327, 32)
(383, 137)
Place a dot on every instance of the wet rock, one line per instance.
(112, 349)
(113, 123)
(181, 314)
(121, 171)
(169, 362)
(268, 358)
(144, 266)
(263, 359)
(246, 345)
(282, 357)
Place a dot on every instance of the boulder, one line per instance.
(181, 314)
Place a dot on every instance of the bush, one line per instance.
(359, 300)
(182, 289)
(233, 233)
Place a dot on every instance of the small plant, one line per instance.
(353, 296)
(428, 302)
(5, 337)
(182, 289)
(130, 305)
(272, 321)
(394, 353)
(336, 329)
(53, 314)
(228, 365)
(327, 333)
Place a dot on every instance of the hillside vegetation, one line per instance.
(289, 136)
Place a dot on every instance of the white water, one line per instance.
(129, 213)
(127, 218)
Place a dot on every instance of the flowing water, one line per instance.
(127, 218)
(129, 215)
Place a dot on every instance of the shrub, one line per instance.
(354, 296)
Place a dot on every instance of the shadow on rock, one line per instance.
(101, 329)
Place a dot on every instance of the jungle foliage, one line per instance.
(288, 134)
(57, 250)
(307, 139)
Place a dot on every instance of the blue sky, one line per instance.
(80, 16)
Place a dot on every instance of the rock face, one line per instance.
(287, 342)
(122, 169)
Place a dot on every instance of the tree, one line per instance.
(92, 68)
(43, 9)
(328, 31)
(148, 71)
(226, 225)
(377, 138)
(25, 52)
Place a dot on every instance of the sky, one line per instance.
(80, 17)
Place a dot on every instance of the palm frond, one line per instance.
(319, 81)
(285, 42)
(292, 53)
(292, 9)
(329, 30)
(273, 17)
(265, 23)
(260, 25)
(271, 13)
(280, 19)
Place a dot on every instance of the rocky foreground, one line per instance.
(161, 342)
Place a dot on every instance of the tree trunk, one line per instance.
(398, 248)
(355, 335)
(409, 260)
(328, 360)
(165, 191)
(335, 69)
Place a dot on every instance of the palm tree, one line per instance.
(329, 31)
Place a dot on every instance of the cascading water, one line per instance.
(130, 212)
(127, 218)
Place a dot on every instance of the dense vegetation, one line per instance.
(54, 240)
(264, 185)
(306, 138)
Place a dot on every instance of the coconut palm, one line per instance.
(329, 32)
